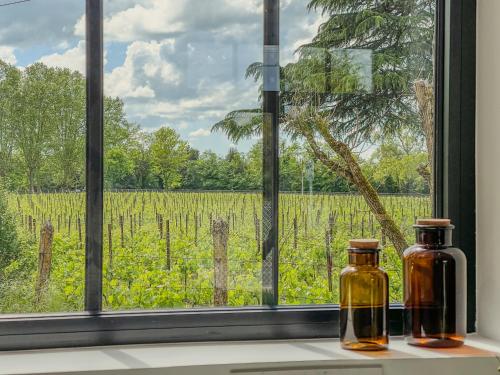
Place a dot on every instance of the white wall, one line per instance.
(488, 168)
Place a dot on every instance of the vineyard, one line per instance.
(192, 249)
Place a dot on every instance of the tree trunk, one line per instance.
(373, 201)
(351, 170)
(31, 181)
(424, 92)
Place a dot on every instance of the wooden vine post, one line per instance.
(110, 247)
(257, 233)
(44, 258)
(329, 260)
(80, 237)
(220, 230)
(295, 233)
(122, 238)
(169, 250)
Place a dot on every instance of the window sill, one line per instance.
(477, 357)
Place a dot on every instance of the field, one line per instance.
(159, 248)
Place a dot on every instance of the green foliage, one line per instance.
(241, 124)
(8, 234)
(136, 274)
(42, 137)
(391, 170)
(169, 154)
(68, 142)
(42, 127)
(9, 81)
(119, 168)
(400, 35)
(393, 166)
(392, 39)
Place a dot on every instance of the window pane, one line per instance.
(357, 93)
(183, 201)
(42, 156)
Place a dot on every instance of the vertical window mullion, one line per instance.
(460, 153)
(271, 109)
(94, 156)
(439, 105)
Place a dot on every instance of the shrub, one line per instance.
(9, 245)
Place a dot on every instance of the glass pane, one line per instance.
(42, 156)
(183, 200)
(356, 151)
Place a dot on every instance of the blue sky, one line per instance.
(177, 63)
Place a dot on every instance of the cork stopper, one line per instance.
(364, 244)
(440, 223)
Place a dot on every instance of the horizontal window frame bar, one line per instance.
(19, 332)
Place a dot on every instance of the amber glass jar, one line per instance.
(434, 287)
(364, 299)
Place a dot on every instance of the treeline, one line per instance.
(42, 148)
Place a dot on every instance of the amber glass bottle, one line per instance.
(364, 299)
(434, 287)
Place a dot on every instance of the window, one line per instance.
(357, 119)
(42, 146)
(222, 183)
(182, 203)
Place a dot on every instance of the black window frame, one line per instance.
(454, 198)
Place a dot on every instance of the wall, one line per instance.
(488, 168)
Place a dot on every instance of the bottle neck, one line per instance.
(434, 237)
(365, 258)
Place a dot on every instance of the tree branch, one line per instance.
(325, 159)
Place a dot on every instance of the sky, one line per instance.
(176, 63)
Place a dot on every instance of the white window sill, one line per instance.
(304, 357)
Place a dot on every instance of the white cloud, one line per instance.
(143, 66)
(200, 133)
(46, 23)
(160, 17)
(80, 27)
(146, 19)
(208, 105)
(73, 58)
(7, 55)
(298, 26)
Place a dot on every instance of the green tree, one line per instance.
(207, 172)
(395, 170)
(10, 78)
(234, 166)
(327, 100)
(291, 167)
(254, 166)
(141, 156)
(119, 169)
(34, 119)
(68, 143)
(169, 155)
(117, 130)
(126, 148)
(42, 126)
